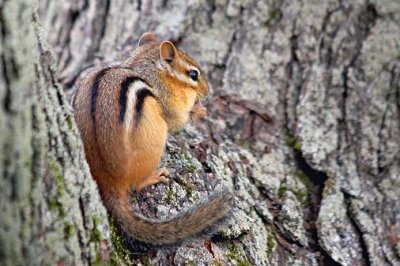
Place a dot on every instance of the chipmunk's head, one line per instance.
(182, 83)
(177, 68)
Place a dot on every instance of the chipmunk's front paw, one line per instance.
(198, 112)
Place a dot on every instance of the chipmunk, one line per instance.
(124, 114)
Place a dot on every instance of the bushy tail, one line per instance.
(199, 221)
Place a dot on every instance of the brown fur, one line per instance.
(124, 157)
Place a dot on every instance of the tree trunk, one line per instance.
(51, 212)
(303, 126)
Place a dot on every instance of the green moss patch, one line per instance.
(122, 251)
(55, 202)
(235, 255)
(270, 244)
(293, 142)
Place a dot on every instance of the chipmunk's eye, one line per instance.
(193, 74)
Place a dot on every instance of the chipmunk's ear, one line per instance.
(167, 51)
(146, 38)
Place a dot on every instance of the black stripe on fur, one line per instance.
(123, 95)
(95, 92)
(141, 95)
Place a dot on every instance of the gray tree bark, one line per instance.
(51, 212)
(303, 126)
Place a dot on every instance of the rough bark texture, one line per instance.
(304, 127)
(51, 212)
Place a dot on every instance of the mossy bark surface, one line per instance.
(51, 211)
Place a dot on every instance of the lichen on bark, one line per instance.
(50, 205)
